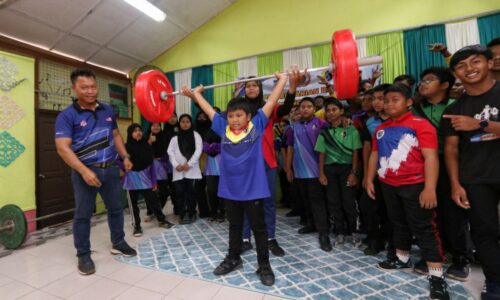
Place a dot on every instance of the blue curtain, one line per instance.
(489, 28)
(202, 75)
(416, 45)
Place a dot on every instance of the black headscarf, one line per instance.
(141, 153)
(202, 126)
(169, 131)
(160, 146)
(185, 139)
(258, 102)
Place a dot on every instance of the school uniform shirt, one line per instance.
(338, 144)
(91, 132)
(242, 168)
(399, 143)
(160, 166)
(176, 158)
(433, 113)
(213, 159)
(303, 137)
(479, 161)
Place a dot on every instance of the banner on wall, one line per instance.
(314, 87)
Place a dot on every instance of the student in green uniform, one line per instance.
(433, 94)
(339, 170)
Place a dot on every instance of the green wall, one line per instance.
(251, 27)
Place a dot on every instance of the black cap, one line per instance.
(467, 51)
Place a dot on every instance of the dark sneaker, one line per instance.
(228, 265)
(183, 220)
(394, 264)
(491, 291)
(221, 218)
(123, 249)
(266, 274)
(246, 246)
(324, 243)
(275, 249)
(306, 230)
(459, 270)
(375, 246)
(137, 231)
(420, 267)
(166, 224)
(86, 265)
(438, 288)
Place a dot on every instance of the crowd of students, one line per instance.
(406, 165)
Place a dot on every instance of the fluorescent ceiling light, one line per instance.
(149, 9)
(107, 68)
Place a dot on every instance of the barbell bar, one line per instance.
(14, 225)
(155, 97)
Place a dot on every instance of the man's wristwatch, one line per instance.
(483, 124)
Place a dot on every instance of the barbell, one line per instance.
(155, 97)
(14, 226)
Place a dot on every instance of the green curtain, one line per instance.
(321, 55)
(390, 47)
(417, 54)
(202, 75)
(224, 72)
(489, 28)
(269, 63)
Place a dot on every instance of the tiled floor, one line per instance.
(49, 271)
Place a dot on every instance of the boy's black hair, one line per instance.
(443, 73)
(306, 99)
(381, 87)
(369, 92)
(399, 88)
(494, 42)
(81, 73)
(239, 103)
(410, 79)
(468, 51)
(333, 101)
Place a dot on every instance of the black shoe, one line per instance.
(245, 246)
(324, 243)
(459, 269)
(123, 249)
(192, 218)
(491, 291)
(306, 230)
(394, 264)
(266, 274)
(137, 231)
(275, 249)
(420, 267)
(375, 246)
(183, 220)
(391, 252)
(292, 213)
(438, 288)
(166, 224)
(228, 265)
(86, 265)
(221, 219)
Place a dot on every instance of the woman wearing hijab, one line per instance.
(203, 128)
(142, 178)
(184, 153)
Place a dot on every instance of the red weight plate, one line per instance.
(345, 64)
(148, 87)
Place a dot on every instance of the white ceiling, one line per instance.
(110, 33)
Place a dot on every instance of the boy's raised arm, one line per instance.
(197, 97)
(275, 95)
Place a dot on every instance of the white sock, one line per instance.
(438, 272)
(403, 257)
(246, 240)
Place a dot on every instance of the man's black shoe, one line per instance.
(324, 243)
(123, 249)
(266, 274)
(394, 264)
(228, 265)
(275, 249)
(86, 265)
